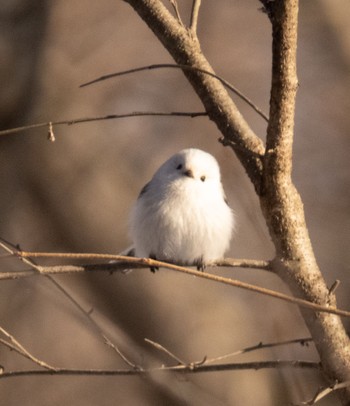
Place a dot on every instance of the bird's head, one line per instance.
(190, 164)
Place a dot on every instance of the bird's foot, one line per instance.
(199, 263)
(153, 269)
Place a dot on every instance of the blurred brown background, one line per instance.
(75, 195)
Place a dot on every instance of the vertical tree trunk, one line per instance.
(295, 261)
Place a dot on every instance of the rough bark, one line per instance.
(185, 48)
(295, 261)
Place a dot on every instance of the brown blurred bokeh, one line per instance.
(75, 195)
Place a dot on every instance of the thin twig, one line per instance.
(115, 266)
(325, 392)
(206, 360)
(102, 118)
(243, 263)
(117, 350)
(163, 349)
(51, 135)
(91, 320)
(110, 267)
(148, 262)
(15, 252)
(176, 9)
(12, 347)
(226, 262)
(18, 347)
(260, 346)
(194, 16)
(121, 264)
(183, 67)
(186, 369)
(334, 287)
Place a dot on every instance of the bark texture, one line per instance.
(295, 261)
(185, 49)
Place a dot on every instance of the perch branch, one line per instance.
(148, 262)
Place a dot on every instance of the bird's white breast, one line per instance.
(183, 222)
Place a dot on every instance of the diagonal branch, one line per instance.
(176, 10)
(206, 360)
(227, 84)
(325, 392)
(127, 262)
(14, 251)
(165, 350)
(260, 346)
(186, 50)
(18, 347)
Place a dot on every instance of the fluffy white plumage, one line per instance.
(181, 215)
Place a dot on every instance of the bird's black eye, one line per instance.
(179, 167)
(203, 178)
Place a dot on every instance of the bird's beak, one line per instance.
(189, 173)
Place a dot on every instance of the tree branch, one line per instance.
(121, 262)
(325, 392)
(165, 350)
(260, 346)
(220, 108)
(50, 124)
(12, 250)
(185, 369)
(18, 347)
(227, 84)
(194, 16)
(176, 9)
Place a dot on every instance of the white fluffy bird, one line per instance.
(181, 215)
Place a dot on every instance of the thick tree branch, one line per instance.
(220, 108)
